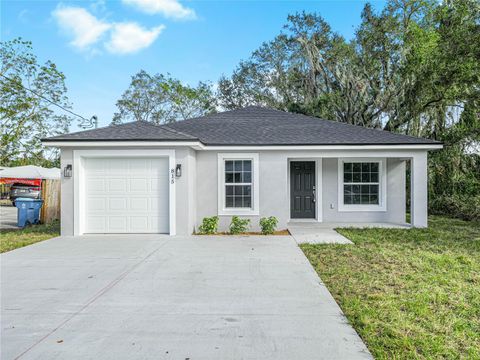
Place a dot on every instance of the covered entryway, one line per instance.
(126, 195)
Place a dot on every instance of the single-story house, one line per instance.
(253, 162)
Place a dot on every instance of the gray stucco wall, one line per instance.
(67, 207)
(396, 189)
(274, 189)
(197, 189)
(273, 184)
(185, 191)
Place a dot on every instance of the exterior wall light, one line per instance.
(178, 170)
(67, 171)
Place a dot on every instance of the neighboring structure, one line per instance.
(253, 162)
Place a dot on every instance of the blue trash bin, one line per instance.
(28, 211)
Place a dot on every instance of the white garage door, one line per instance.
(126, 195)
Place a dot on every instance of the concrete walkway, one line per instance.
(160, 297)
(316, 233)
(324, 233)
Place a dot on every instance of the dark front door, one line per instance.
(302, 189)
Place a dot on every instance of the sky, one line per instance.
(99, 44)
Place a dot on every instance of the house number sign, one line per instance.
(172, 176)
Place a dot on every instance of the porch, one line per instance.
(358, 190)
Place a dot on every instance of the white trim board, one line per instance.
(108, 144)
(79, 184)
(197, 145)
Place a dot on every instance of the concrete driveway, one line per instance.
(8, 217)
(160, 297)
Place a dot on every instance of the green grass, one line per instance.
(16, 238)
(410, 294)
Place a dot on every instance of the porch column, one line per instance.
(419, 190)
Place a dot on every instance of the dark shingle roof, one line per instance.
(137, 130)
(252, 125)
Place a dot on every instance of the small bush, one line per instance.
(459, 206)
(268, 225)
(209, 225)
(238, 226)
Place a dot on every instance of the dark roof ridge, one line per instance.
(217, 113)
(166, 127)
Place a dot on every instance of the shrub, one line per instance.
(459, 206)
(268, 225)
(209, 225)
(238, 226)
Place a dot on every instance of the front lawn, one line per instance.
(408, 293)
(16, 238)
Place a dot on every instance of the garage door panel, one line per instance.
(139, 166)
(157, 184)
(138, 185)
(156, 206)
(95, 165)
(95, 185)
(128, 195)
(95, 204)
(117, 224)
(158, 223)
(139, 204)
(118, 185)
(118, 166)
(117, 204)
(138, 223)
(96, 224)
(157, 167)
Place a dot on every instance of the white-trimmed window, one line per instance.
(362, 185)
(238, 184)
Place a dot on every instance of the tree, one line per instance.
(403, 71)
(411, 68)
(162, 99)
(27, 116)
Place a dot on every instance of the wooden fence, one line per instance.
(4, 191)
(51, 201)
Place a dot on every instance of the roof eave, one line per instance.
(198, 145)
(48, 140)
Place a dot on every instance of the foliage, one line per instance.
(162, 99)
(411, 68)
(460, 206)
(410, 294)
(268, 225)
(25, 117)
(16, 238)
(402, 71)
(209, 225)
(238, 225)
(454, 176)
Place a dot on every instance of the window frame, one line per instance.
(382, 186)
(222, 209)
